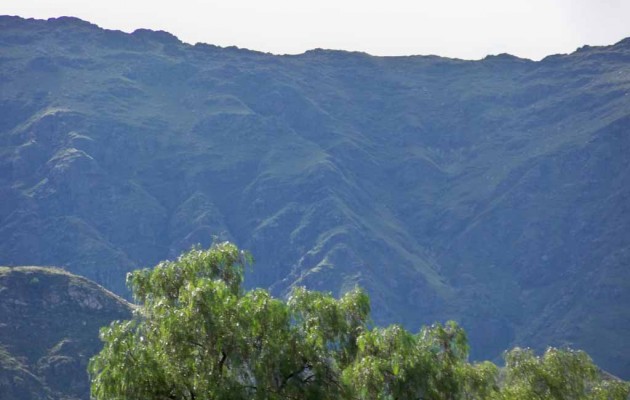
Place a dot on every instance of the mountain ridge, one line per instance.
(169, 37)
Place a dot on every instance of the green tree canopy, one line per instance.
(198, 335)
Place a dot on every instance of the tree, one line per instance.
(395, 364)
(557, 375)
(197, 335)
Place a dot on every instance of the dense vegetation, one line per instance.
(197, 334)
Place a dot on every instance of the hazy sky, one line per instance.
(453, 28)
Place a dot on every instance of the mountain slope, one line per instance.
(49, 324)
(494, 192)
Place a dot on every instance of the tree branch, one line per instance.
(222, 361)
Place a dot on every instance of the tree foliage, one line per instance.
(198, 335)
(557, 374)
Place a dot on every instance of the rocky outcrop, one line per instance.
(49, 324)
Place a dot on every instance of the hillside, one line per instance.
(493, 192)
(49, 324)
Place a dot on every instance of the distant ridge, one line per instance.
(69, 21)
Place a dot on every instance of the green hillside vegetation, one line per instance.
(198, 335)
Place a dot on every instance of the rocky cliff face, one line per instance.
(49, 324)
(494, 192)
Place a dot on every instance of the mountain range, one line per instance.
(494, 192)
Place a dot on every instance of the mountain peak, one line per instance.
(156, 35)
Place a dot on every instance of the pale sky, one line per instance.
(452, 28)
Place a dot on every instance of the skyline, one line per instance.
(458, 29)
